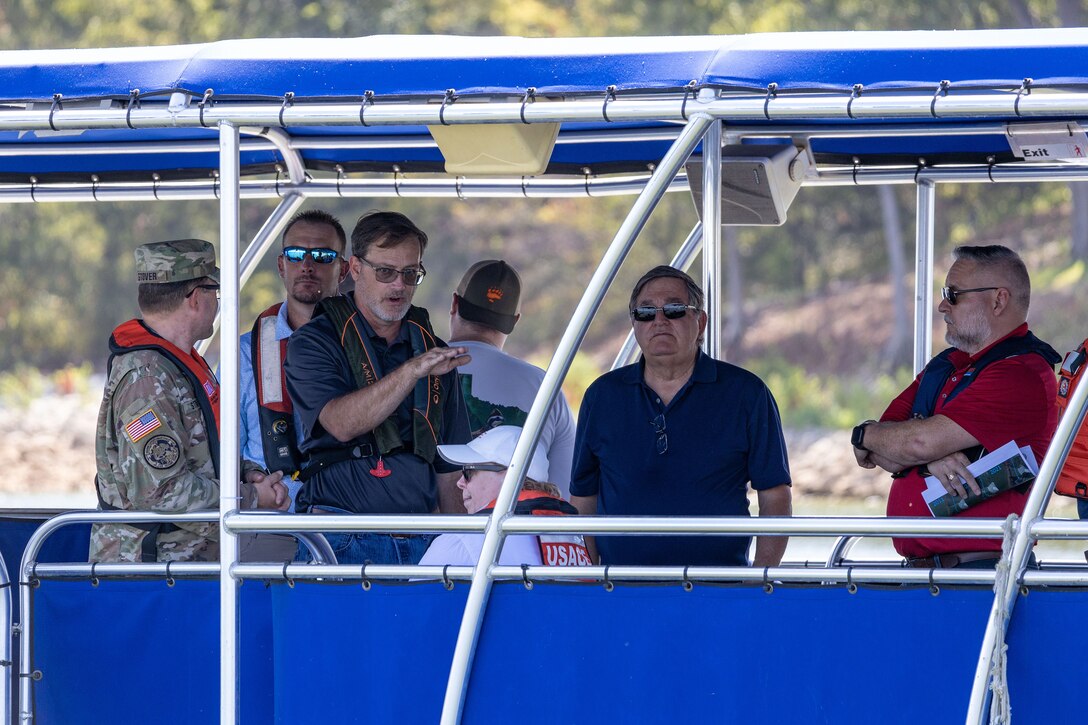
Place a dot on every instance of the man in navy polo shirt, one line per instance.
(679, 434)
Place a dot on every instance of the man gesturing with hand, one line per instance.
(377, 392)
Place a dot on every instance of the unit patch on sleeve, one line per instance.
(162, 452)
(143, 425)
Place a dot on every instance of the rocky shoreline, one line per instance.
(49, 448)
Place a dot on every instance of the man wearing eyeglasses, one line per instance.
(158, 428)
(311, 266)
(994, 385)
(377, 392)
(679, 434)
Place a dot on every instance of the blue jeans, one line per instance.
(367, 548)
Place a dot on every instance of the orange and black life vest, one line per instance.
(274, 409)
(1073, 479)
(555, 549)
(135, 335)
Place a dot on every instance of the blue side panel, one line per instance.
(142, 652)
(658, 654)
(1047, 640)
(67, 544)
(350, 655)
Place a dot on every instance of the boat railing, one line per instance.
(6, 661)
(309, 529)
(840, 573)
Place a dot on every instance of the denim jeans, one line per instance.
(368, 548)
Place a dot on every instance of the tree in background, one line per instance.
(72, 279)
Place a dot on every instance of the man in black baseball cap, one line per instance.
(499, 389)
(490, 295)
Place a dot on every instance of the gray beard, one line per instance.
(968, 340)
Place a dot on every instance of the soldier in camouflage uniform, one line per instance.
(158, 428)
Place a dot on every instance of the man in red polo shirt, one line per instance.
(995, 384)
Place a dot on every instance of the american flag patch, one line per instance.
(143, 425)
(209, 388)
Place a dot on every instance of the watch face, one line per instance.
(857, 436)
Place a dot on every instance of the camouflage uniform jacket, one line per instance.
(152, 453)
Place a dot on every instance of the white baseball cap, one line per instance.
(496, 447)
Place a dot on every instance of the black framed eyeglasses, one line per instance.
(321, 255)
(951, 294)
(468, 471)
(659, 428)
(411, 275)
(213, 287)
(672, 311)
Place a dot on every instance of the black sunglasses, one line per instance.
(468, 471)
(321, 255)
(213, 287)
(951, 294)
(672, 310)
(659, 428)
(411, 275)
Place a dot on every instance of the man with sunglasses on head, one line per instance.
(994, 385)
(312, 267)
(377, 392)
(679, 434)
(158, 428)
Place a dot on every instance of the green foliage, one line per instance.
(811, 401)
(68, 274)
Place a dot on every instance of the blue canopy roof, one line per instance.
(424, 67)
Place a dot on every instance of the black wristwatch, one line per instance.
(857, 438)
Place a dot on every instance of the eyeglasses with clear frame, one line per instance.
(411, 275)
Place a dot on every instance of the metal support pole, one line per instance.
(257, 248)
(923, 274)
(6, 669)
(712, 233)
(1001, 611)
(606, 271)
(682, 260)
(267, 234)
(229, 465)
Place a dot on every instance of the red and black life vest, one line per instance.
(555, 549)
(274, 409)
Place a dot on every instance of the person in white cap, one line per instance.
(483, 464)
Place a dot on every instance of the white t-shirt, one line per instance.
(499, 390)
(464, 550)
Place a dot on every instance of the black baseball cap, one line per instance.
(490, 294)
